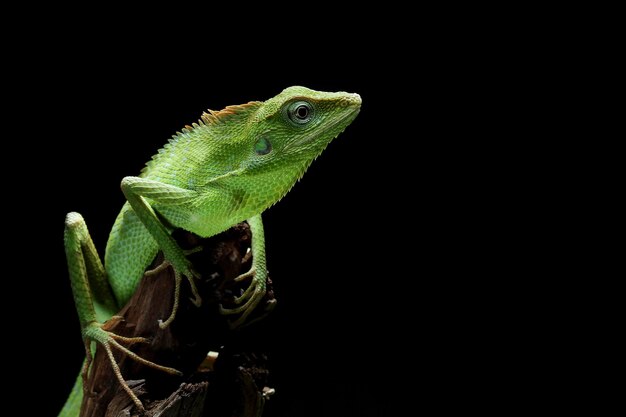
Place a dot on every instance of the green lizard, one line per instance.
(229, 167)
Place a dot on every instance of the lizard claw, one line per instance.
(247, 302)
(108, 340)
(196, 300)
(162, 266)
(190, 274)
(197, 249)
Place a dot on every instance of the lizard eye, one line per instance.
(300, 112)
(262, 146)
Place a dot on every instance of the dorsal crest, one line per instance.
(211, 120)
(212, 117)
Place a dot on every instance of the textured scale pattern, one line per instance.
(132, 241)
(215, 159)
(228, 167)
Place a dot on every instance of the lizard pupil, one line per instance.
(302, 112)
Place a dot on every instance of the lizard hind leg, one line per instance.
(94, 300)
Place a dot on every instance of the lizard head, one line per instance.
(253, 152)
(299, 123)
(292, 129)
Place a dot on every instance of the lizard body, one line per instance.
(227, 168)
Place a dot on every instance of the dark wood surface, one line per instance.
(231, 385)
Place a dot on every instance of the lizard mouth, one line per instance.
(313, 135)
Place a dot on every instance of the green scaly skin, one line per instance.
(227, 168)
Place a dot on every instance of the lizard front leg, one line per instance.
(258, 272)
(136, 191)
(95, 302)
(139, 190)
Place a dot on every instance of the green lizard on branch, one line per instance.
(229, 167)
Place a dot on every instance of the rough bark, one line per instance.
(232, 385)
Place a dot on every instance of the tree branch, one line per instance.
(231, 385)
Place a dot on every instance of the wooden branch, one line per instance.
(232, 385)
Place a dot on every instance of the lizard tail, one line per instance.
(74, 401)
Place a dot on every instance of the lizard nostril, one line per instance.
(351, 100)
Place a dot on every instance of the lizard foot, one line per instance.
(95, 332)
(190, 274)
(165, 264)
(250, 298)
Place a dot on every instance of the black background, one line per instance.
(341, 275)
(379, 256)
